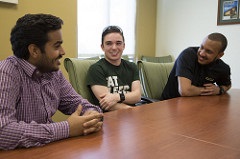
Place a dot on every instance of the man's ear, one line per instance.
(123, 45)
(34, 50)
(220, 55)
(102, 47)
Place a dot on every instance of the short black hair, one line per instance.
(32, 29)
(221, 38)
(112, 29)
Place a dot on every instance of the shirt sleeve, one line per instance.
(224, 73)
(96, 75)
(185, 63)
(135, 72)
(21, 134)
(15, 133)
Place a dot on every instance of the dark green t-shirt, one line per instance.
(117, 78)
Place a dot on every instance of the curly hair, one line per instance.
(32, 29)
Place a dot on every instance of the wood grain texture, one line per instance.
(204, 127)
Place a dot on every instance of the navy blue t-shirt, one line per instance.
(186, 65)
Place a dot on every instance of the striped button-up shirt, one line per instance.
(29, 99)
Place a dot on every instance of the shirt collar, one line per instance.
(30, 69)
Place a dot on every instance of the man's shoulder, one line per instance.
(129, 63)
(190, 50)
(222, 64)
(97, 64)
(9, 63)
(10, 59)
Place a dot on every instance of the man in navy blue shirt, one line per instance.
(199, 70)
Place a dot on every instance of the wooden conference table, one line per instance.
(204, 127)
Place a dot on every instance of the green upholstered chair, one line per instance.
(125, 57)
(153, 77)
(77, 70)
(161, 59)
(93, 58)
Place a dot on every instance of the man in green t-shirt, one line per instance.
(114, 81)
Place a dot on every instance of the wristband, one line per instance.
(122, 97)
(221, 90)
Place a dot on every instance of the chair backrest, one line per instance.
(93, 58)
(125, 57)
(161, 59)
(77, 71)
(153, 77)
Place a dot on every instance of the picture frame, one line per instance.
(10, 1)
(228, 12)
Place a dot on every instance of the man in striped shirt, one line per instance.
(32, 88)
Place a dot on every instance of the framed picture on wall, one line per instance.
(10, 1)
(228, 12)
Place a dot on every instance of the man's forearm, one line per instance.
(132, 97)
(191, 91)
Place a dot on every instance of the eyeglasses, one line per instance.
(113, 28)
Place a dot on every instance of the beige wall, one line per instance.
(146, 27)
(67, 10)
